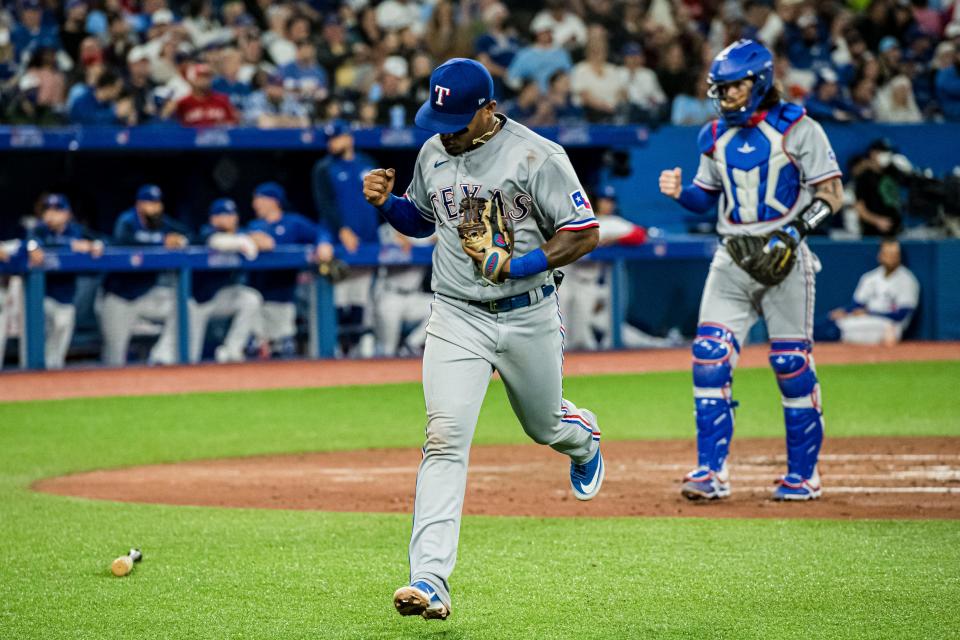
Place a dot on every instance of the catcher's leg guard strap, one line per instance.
(715, 353)
(792, 361)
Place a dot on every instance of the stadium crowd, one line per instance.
(275, 63)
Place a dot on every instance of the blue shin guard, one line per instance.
(715, 353)
(792, 361)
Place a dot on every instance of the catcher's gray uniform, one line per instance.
(762, 177)
(542, 196)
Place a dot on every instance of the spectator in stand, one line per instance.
(895, 102)
(890, 60)
(497, 46)
(766, 24)
(449, 35)
(807, 42)
(337, 182)
(130, 297)
(393, 15)
(29, 30)
(878, 192)
(395, 105)
(948, 88)
(228, 79)
(273, 107)
(278, 40)
(827, 102)
(304, 75)
(74, 28)
(693, 109)
(276, 225)
(875, 23)
(563, 107)
(674, 73)
(102, 104)
(644, 94)
(140, 86)
(882, 306)
(538, 61)
(120, 42)
(599, 85)
(528, 106)
(203, 107)
(40, 94)
(333, 48)
(251, 48)
(862, 96)
(58, 230)
(566, 27)
(222, 294)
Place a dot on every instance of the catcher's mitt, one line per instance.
(768, 260)
(485, 236)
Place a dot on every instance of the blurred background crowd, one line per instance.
(276, 63)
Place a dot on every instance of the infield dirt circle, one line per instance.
(863, 477)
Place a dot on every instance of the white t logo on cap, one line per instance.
(442, 92)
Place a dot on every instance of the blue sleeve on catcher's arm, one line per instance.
(404, 216)
(698, 199)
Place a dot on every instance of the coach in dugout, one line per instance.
(57, 229)
(882, 306)
(135, 296)
(222, 293)
(277, 226)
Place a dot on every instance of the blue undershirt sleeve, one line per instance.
(697, 199)
(404, 216)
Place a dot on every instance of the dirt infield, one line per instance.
(863, 478)
(94, 382)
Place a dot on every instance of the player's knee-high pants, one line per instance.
(730, 305)
(464, 346)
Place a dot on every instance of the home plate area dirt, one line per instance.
(862, 477)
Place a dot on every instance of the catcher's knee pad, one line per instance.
(793, 363)
(715, 353)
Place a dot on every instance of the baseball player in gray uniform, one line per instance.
(507, 209)
(775, 177)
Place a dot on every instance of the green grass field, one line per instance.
(232, 573)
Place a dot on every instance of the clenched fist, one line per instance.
(377, 186)
(670, 182)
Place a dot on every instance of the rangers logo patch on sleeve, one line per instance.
(580, 201)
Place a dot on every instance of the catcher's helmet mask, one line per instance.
(742, 60)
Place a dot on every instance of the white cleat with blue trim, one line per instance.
(587, 478)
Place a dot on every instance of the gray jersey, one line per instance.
(765, 174)
(531, 177)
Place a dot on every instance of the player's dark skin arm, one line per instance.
(566, 247)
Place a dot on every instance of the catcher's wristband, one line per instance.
(813, 216)
(533, 263)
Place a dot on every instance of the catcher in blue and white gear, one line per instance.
(774, 177)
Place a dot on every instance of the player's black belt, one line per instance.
(519, 301)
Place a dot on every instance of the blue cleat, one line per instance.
(794, 487)
(587, 478)
(420, 599)
(704, 484)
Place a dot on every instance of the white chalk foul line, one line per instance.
(828, 489)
